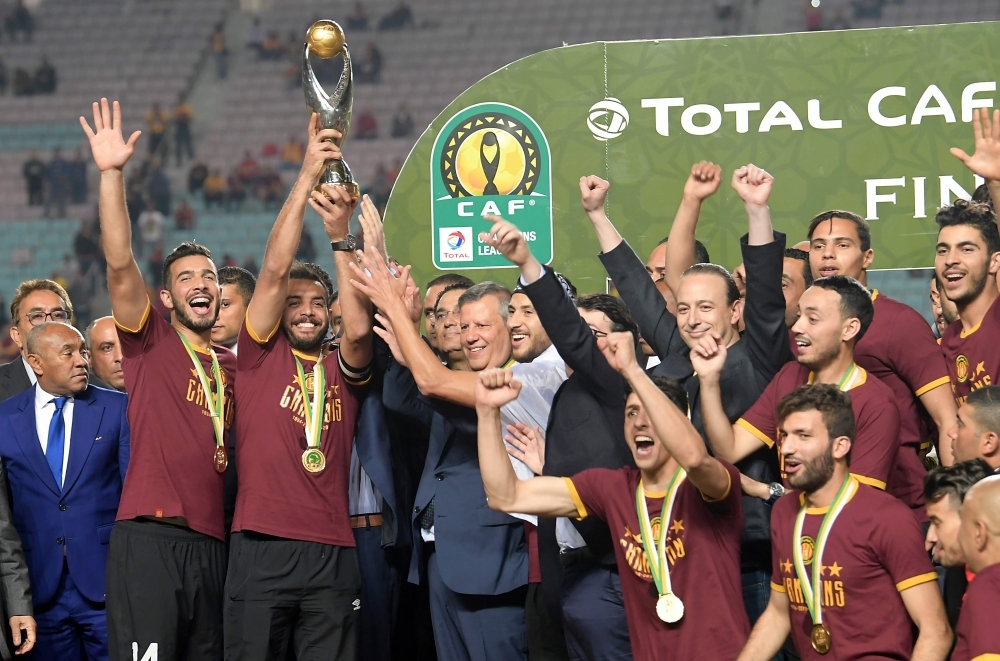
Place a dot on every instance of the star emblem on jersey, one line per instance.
(786, 566)
(677, 527)
(962, 368)
(834, 569)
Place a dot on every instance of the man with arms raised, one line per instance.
(237, 290)
(834, 313)
(293, 575)
(167, 557)
(675, 520)
(979, 536)
(850, 576)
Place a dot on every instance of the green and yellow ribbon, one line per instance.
(656, 548)
(812, 590)
(315, 408)
(216, 404)
(848, 381)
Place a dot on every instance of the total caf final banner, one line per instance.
(856, 119)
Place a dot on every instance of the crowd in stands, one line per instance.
(23, 82)
(56, 183)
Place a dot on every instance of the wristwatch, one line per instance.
(349, 244)
(777, 490)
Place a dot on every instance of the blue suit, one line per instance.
(65, 532)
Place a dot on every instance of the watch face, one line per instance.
(351, 242)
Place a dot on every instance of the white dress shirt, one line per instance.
(44, 409)
(31, 372)
(362, 496)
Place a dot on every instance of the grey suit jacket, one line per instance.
(15, 589)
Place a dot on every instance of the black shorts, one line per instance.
(285, 594)
(164, 588)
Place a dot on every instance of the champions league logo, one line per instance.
(607, 119)
(490, 153)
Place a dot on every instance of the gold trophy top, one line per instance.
(325, 38)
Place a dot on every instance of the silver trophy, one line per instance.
(326, 39)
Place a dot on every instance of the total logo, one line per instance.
(607, 119)
(455, 244)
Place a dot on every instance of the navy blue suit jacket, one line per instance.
(78, 520)
(479, 550)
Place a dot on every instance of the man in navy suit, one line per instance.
(65, 447)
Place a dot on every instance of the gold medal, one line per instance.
(669, 608)
(313, 460)
(821, 640)
(220, 460)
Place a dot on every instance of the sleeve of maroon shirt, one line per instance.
(899, 542)
(254, 345)
(137, 341)
(980, 636)
(730, 505)
(591, 490)
(781, 523)
(918, 361)
(759, 419)
(876, 440)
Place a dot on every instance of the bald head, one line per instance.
(980, 531)
(58, 355)
(106, 352)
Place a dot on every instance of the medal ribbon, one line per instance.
(315, 408)
(811, 585)
(656, 549)
(848, 381)
(216, 404)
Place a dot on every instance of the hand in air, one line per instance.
(335, 207)
(708, 355)
(619, 350)
(496, 387)
(986, 160)
(319, 150)
(703, 181)
(373, 279)
(753, 184)
(528, 445)
(507, 240)
(593, 193)
(371, 227)
(109, 148)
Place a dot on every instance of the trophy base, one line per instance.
(351, 188)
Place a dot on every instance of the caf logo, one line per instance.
(962, 368)
(808, 549)
(490, 153)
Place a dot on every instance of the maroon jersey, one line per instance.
(277, 496)
(875, 551)
(703, 553)
(171, 472)
(972, 357)
(876, 440)
(900, 350)
(977, 631)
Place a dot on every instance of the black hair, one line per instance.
(449, 279)
(669, 387)
(243, 279)
(732, 291)
(973, 214)
(802, 256)
(700, 251)
(855, 301)
(832, 403)
(983, 196)
(315, 273)
(955, 480)
(985, 403)
(186, 249)
(860, 226)
(614, 308)
(458, 286)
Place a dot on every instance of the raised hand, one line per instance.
(374, 280)
(107, 145)
(411, 297)
(528, 446)
(371, 227)
(593, 193)
(506, 239)
(496, 387)
(986, 160)
(386, 332)
(319, 150)
(708, 356)
(619, 350)
(740, 278)
(703, 181)
(753, 184)
(335, 207)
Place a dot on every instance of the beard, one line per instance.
(310, 344)
(976, 287)
(821, 358)
(196, 326)
(815, 473)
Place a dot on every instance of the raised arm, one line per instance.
(985, 161)
(670, 423)
(543, 496)
(702, 183)
(268, 301)
(111, 152)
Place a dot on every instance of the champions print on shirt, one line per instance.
(971, 356)
(195, 394)
(292, 399)
(635, 554)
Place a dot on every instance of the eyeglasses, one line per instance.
(598, 333)
(443, 315)
(36, 317)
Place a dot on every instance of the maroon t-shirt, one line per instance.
(171, 472)
(876, 441)
(972, 358)
(703, 551)
(277, 496)
(874, 552)
(978, 636)
(900, 350)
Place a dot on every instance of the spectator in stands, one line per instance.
(220, 52)
(78, 178)
(85, 245)
(20, 21)
(236, 192)
(839, 22)
(402, 123)
(24, 84)
(248, 171)
(868, 8)
(34, 177)
(67, 271)
(229, 260)
(135, 195)
(397, 19)
(250, 264)
(150, 229)
(3, 78)
(369, 68)
(273, 48)
(57, 177)
(307, 249)
(45, 78)
(358, 20)
(214, 190)
(256, 36)
(380, 187)
(366, 125)
(156, 120)
(723, 9)
(184, 216)
(158, 186)
(814, 17)
(183, 114)
(197, 176)
(292, 153)
(393, 172)
(270, 190)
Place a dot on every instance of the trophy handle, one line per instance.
(334, 109)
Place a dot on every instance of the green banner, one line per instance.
(858, 119)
